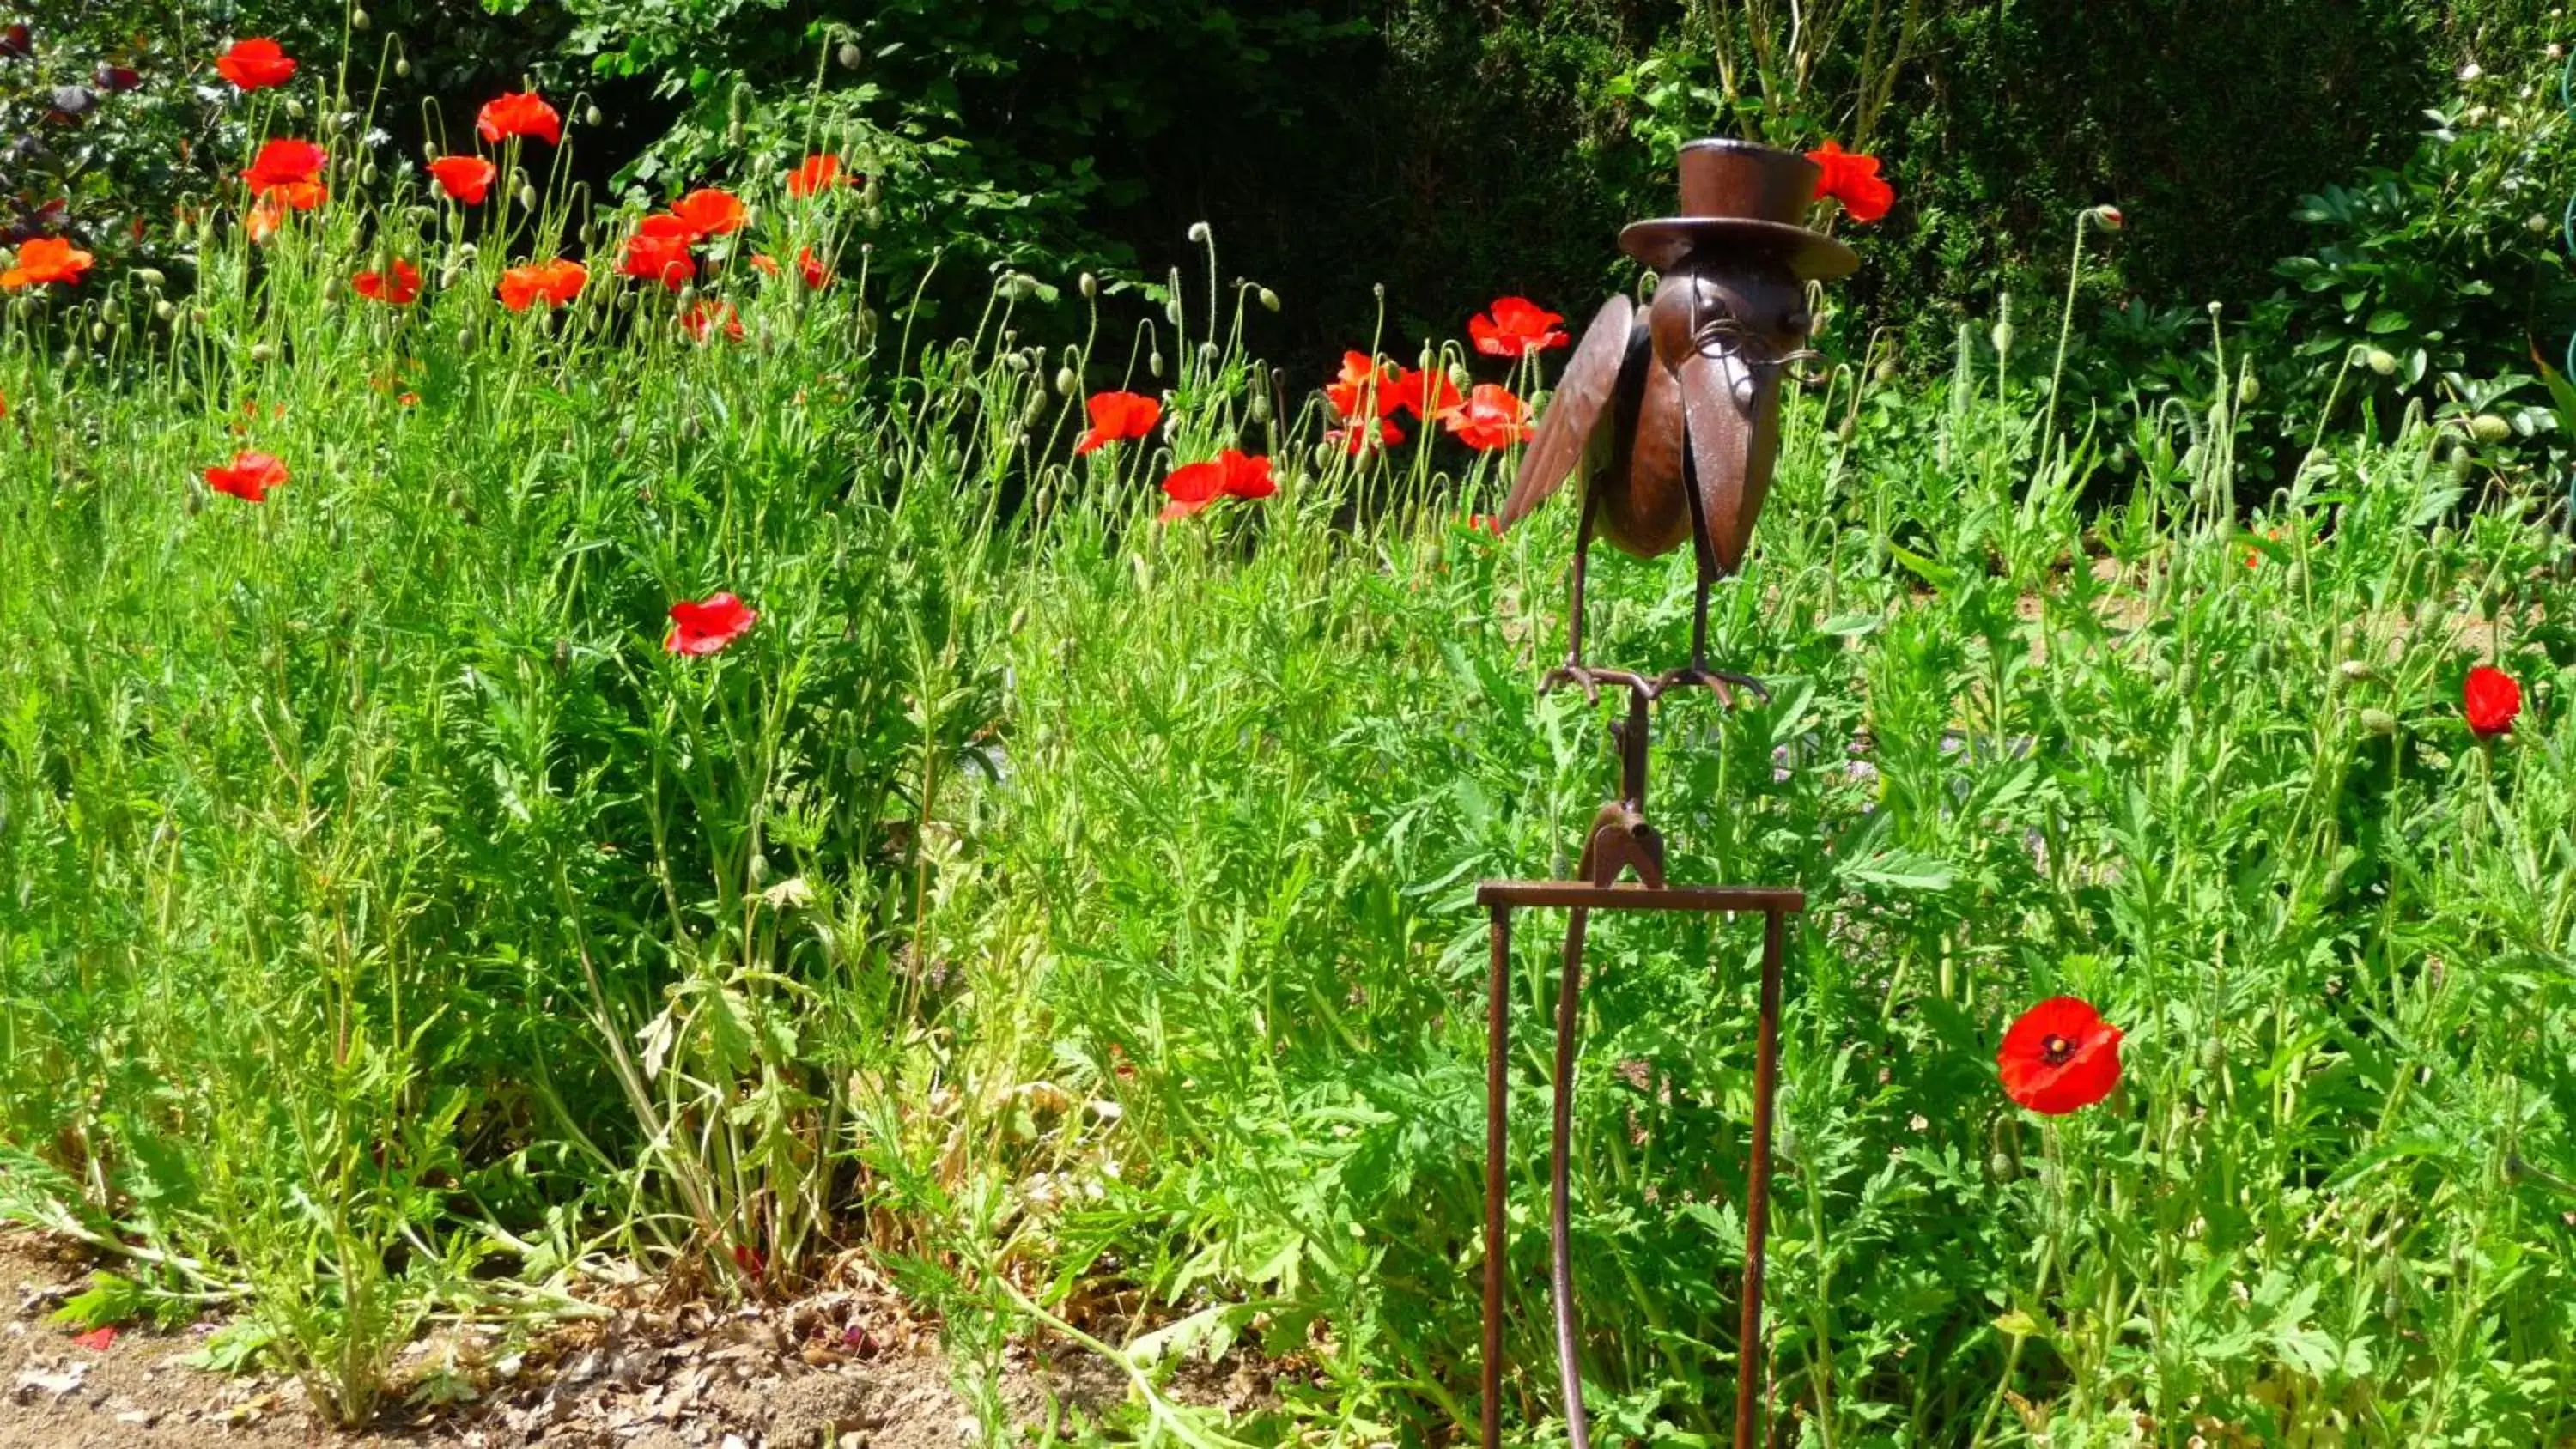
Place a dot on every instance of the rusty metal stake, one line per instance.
(1620, 841)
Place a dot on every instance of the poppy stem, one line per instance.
(2065, 325)
(2056, 1187)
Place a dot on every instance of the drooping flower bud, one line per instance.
(2108, 218)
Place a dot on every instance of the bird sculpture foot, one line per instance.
(1721, 682)
(1590, 680)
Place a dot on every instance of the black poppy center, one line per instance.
(2056, 1050)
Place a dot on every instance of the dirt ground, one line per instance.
(845, 1369)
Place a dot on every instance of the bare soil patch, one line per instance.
(849, 1368)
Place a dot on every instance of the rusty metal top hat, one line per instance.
(1745, 195)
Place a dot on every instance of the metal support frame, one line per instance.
(1581, 898)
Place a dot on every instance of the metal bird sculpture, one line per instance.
(1672, 417)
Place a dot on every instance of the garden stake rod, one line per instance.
(1672, 420)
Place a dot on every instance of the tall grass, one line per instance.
(1074, 911)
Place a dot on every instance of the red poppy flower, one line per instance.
(521, 113)
(1247, 478)
(265, 217)
(398, 285)
(809, 268)
(1360, 390)
(553, 283)
(1358, 437)
(710, 212)
(816, 173)
(466, 178)
(45, 260)
(1426, 395)
(707, 625)
(2491, 699)
(255, 65)
(659, 252)
(116, 78)
(289, 170)
(1516, 327)
(2061, 1055)
(97, 1340)
(1490, 418)
(707, 316)
(1117, 417)
(1229, 475)
(249, 477)
(1852, 180)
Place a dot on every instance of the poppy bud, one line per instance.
(163, 310)
(759, 869)
(527, 198)
(150, 277)
(2247, 389)
(1198, 231)
(1323, 457)
(590, 116)
(2536, 223)
(262, 352)
(98, 332)
(1850, 425)
(1015, 361)
(1207, 354)
(1154, 362)
(358, 20)
(1261, 405)
(1066, 382)
(2002, 337)
(195, 500)
(2001, 1167)
(1269, 299)
(2356, 671)
(429, 150)
(1036, 412)
(367, 173)
(2488, 428)
(1885, 372)
(2108, 218)
(402, 66)
(465, 339)
(1090, 286)
(2380, 360)
(294, 109)
(2378, 722)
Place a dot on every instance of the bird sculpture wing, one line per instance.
(1582, 400)
(1706, 420)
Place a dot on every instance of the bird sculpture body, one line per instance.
(1670, 416)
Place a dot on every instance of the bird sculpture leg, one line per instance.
(1573, 670)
